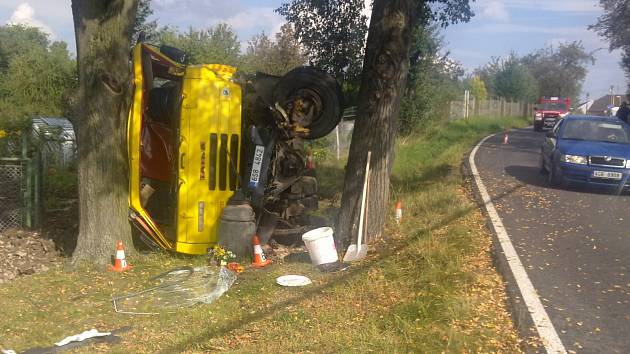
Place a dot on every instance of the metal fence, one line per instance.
(488, 108)
(49, 145)
(338, 141)
(20, 181)
(55, 141)
(12, 204)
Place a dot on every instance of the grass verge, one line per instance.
(431, 288)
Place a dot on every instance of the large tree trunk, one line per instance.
(102, 30)
(385, 69)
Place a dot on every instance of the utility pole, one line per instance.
(466, 99)
(337, 135)
(612, 97)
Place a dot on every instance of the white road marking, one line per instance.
(541, 320)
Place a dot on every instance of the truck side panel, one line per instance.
(210, 141)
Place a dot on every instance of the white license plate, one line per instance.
(256, 166)
(608, 175)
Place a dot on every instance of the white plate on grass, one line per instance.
(293, 280)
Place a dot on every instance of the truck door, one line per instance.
(209, 148)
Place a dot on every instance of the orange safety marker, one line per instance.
(260, 260)
(398, 212)
(310, 163)
(120, 263)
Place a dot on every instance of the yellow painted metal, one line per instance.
(134, 127)
(210, 126)
(209, 149)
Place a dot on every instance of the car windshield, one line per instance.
(596, 131)
(552, 106)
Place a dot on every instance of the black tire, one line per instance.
(538, 127)
(541, 164)
(320, 90)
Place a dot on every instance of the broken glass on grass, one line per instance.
(177, 288)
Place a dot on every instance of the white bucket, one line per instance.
(321, 245)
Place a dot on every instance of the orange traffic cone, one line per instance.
(310, 163)
(120, 263)
(260, 260)
(398, 212)
(505, 138)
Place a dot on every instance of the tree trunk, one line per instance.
(102, 30)
(383, 82)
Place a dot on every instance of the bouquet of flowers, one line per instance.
(219, 256)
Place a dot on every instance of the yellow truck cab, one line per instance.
(186, 145)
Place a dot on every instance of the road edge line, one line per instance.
(540, 318)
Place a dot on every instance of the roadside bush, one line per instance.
(433, 81)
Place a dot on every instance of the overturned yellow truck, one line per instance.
(206, 141)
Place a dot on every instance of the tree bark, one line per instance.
(102, 30)
(383, 82)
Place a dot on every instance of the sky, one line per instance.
(498, 28)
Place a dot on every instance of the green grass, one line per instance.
(431, 288)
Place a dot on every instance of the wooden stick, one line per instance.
(362, 213)
(367, 207)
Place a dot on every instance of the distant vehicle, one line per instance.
(613, 111)
(587, 150)
(549, 110)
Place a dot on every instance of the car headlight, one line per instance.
(538, 116)
(628, 163)
(580, 160)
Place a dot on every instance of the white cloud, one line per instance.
(493, 9)
(24, 14)
(255, 18)
(199, 14)
(196, 13)
(56, 12)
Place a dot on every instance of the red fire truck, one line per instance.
(550, 110)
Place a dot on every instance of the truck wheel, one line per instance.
(313, 100)
(538, 127)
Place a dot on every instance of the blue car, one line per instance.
(587, 150)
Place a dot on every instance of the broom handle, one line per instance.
(363, 195)
(366, 221)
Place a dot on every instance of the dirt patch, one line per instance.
(62, 226)
(24, 253)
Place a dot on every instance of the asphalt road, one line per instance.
(574, 244)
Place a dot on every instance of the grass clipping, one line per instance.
(431, 288)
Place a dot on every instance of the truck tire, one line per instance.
(322, 94)
(538, 127)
